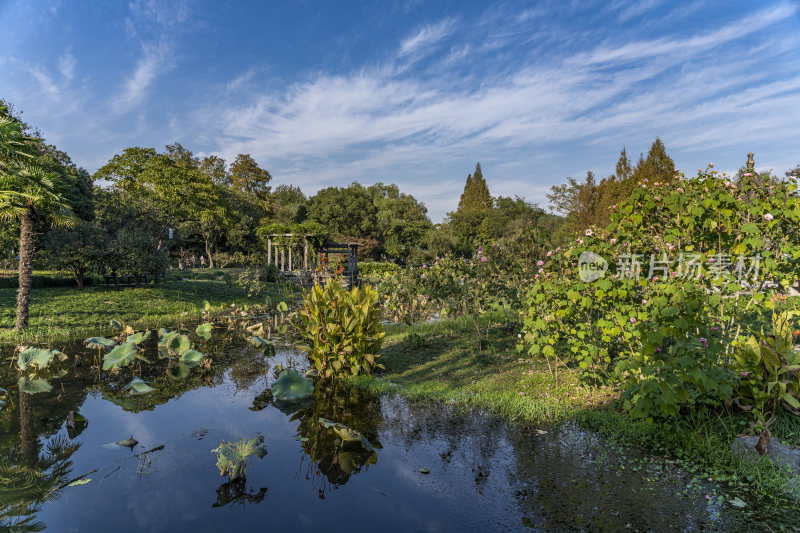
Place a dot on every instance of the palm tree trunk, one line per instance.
(26, 248)
(28, 436)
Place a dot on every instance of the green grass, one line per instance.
(445, 367)
(65, 313)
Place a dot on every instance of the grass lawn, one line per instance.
(445, 367)
(67, 313)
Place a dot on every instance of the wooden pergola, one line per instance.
(284, 257)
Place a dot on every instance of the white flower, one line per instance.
(588, 232)
(768, 216)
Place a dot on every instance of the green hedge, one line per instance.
(377, 268)
(44, 282)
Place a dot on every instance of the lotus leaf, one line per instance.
(37, 357)
(346, 433)
(204, 330)
(178, 343)
(232, 457)
(33, 386)
(137, 386)
(292, 386)
(100, 343)
(120, 356)
(178, 371)
(263, 344)
(138, 338)
(191, 358)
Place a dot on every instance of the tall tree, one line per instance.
(215, 168)
(290, 205)
(174, 192)
(28, 194)
(476, 195)
(249, 178)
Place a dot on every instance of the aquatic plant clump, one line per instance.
(232, 456)
(341, 328)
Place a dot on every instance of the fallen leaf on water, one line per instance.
(737, 502)
(424, 470)
(77, 482)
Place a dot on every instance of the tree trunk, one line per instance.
(26, 249)
(28, 436)
(209, 254)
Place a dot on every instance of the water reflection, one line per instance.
(326, 453)
(483, 474)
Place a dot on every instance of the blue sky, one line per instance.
(325, 93)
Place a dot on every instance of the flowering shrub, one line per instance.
(666, 336)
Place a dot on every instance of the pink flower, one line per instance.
(680, 189)
(744, 374)
(768, 216)
(655, 278)
(658, 350)
(671, 247)
(588, 233)
(644, 186)
(644, 302)
(748, 175)
(715, 328)
(580, 241)
(483, 259)
(613, 240)
(633, 320)
(549, 254)
(536, 276)
(708, 496)
(539, 263)
(711, 165)
(424, 266)
(613, 207)
(674, 274)
(703, 340)
(437, 257)
(645, 180)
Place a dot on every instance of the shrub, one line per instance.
(767, 367)
(342, 329)
(377, 268)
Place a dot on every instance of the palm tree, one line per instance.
(27, 194)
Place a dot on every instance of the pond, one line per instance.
(423, 467)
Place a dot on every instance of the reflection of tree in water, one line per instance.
(463, 439)
(236, 493)
(330, 459)
(30, 475)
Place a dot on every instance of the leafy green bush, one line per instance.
(342, 329)
(377, 268)
(767, 366)
(667, 338)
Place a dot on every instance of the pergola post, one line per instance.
(290, 259)
(269, 251)
(305, 253)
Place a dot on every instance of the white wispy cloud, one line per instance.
(333, 129)
(45, 81)
(66, 65)
(426, 36)
(154, 59)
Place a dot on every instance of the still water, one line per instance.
(433, 468)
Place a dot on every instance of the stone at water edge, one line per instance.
(745, 447)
